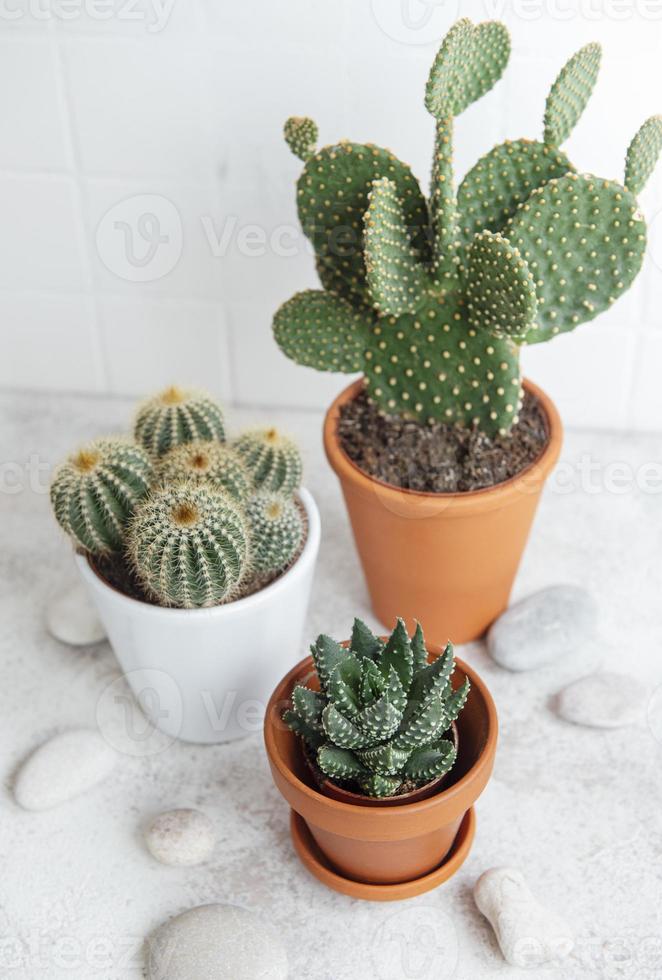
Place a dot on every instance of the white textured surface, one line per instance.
(175, 108)
(577, 809)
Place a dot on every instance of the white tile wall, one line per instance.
(148, 224)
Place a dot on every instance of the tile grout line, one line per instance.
(82, 209)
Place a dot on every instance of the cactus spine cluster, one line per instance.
(432, 299)
(213, 463)
(277, 530)
(272, 459)
(378, 722)
(176, 416)
(199, 521)
(189, 545)
(94, 492)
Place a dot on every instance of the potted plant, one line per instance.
(381, 748)
(442, 449)
(199, 555)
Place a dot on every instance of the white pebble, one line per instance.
(181, 837)
(554, 623)
(529, 934)
(71, 618)
(603, 700)
(216, 942)
(65, 766)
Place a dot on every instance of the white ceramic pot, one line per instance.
(206, 675)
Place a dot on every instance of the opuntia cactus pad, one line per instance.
(432, 298)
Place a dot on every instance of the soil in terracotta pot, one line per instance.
(438, 458)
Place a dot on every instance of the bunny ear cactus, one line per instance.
(378, 721)
(432, 299)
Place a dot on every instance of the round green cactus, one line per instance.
(276, 530)
(189, 545)
(207, 462)
(272, 459)
(94, 492)
(176, 416)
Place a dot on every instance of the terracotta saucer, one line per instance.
(318, 865)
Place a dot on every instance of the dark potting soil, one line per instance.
(435, 457)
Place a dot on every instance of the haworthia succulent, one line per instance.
(377, 724)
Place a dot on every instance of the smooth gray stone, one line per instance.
(181, 837)
(63, 767)
(216, 942)
(545, 626)
(71, 618)
(605, 700)
(529, 934)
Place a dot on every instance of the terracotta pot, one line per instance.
(447, 559)
(383, 845)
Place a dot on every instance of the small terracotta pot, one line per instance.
(384, 845)
(447, 559)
